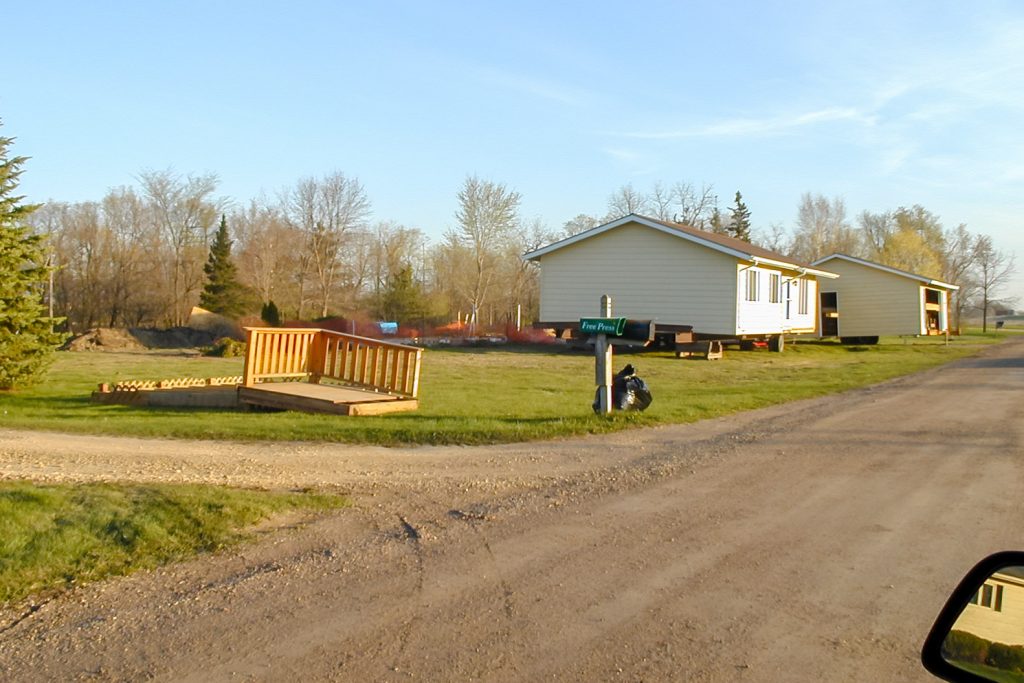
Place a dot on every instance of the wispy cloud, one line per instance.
(624, 155)
(635, 162)
(758, 127)
(531, 86)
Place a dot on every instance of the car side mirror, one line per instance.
(979, 634)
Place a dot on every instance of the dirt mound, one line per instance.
(138, 339)
(104, 339)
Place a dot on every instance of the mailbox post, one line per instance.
(603, 353)
(606, 332)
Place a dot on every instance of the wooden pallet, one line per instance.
(710, 349)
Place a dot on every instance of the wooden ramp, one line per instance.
(341, 374)
(324, 398)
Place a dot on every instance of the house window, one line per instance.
(801, 307)
(989, 596)
(775, 288)
(752, 280)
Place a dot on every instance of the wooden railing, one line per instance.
(277, 353)
(314, 354)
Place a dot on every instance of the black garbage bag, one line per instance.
(629, 392)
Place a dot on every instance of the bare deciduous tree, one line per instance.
(325, 210)
(994, 270)
(661, 202)
(694, 206)
(109, 260)
(958, 260)
(681, 203)
(875, 229)
(578, 224)
(822, 229)
(487, 218)
(266, 252)
(522, 276)
(774, 238)
(134, 251)
(627, 200)
(185, 213)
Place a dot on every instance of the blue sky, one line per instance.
(885, 104)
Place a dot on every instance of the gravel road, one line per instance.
(810, 541)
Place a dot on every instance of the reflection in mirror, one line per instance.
(988, 636)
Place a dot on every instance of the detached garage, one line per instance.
(870, 299)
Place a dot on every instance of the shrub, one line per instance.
(226, 347)
(270, 314)
(965, 647)
(1006, 657)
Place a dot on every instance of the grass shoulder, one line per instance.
(479, 396)
(55, 536)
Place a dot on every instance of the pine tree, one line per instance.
(402, 299)
(223, 293)
(739, 225)
(27, 337)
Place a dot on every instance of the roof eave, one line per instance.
(888, 269)
(805, 270)
(634, 218)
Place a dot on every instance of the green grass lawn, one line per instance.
(990, 673)
(55, 536)
(480, 395)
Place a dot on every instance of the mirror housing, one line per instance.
(964, 594)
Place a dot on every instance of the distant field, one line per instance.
(481, 395)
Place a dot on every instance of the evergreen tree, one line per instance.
(739, 223)
(223, 293)
(270, 314)
(402, 299)
(716, 224)
(27, 338)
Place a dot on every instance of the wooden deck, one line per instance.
(307, 369)
(340, 374)
(324, 398)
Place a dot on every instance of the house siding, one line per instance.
(1003, 626)
(761, 316)
(873, 302)
(803, 322)
(649, 275)
(764, 316)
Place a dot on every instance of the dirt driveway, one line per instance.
(811, 541)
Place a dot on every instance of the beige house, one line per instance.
(996, 612)
(870, 299)
(677, 276)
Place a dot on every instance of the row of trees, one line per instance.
(137, 256)
(680, 202)
(911, 239)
